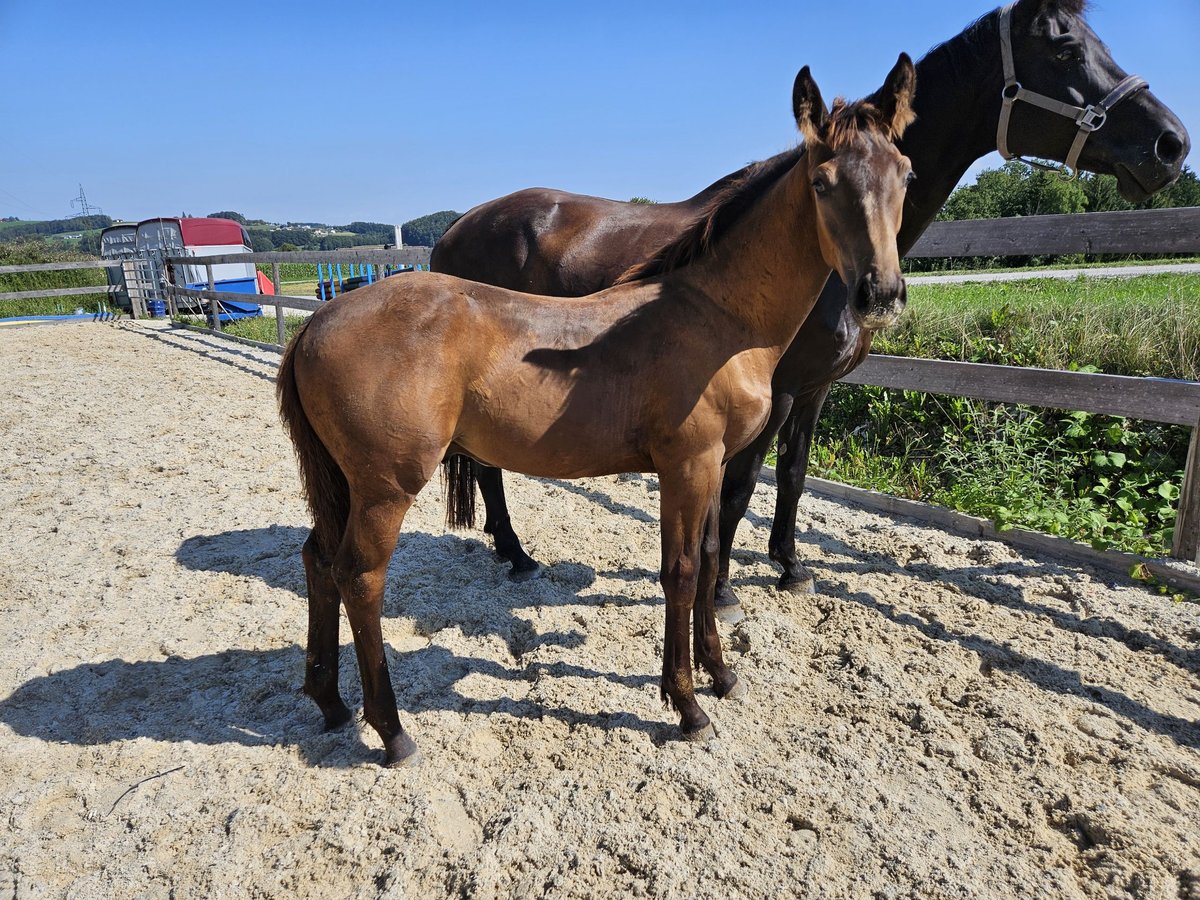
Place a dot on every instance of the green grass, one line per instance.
(1111, 482)
(262, 329)
(1148, 325)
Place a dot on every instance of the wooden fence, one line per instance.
(60, 267)
(1174, 231)
(401, 256)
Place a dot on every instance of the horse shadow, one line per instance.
(974, 581)
(251, 698)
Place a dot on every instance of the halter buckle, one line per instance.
(1092, 118)
(1010, 91)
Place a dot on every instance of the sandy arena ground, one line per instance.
(944, 718)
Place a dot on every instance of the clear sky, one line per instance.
(384, 111)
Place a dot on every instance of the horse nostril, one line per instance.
(1169, 148)
(865, 295)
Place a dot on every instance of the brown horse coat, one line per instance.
(669, 374)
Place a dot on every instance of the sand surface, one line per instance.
(944, 718)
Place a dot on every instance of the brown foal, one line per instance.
(668, 372)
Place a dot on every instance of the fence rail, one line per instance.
(1175, 231)
(60, 267)
(400, 256)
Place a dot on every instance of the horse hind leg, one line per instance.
(321, 660)
(499, 525)
(360, 570)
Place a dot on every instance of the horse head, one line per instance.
(1064, 98)
(858, 181)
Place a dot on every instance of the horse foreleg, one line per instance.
(499, 525)
(321, 660)
(737, 489)
(686, 492)
(360, 570)
(707, 640)
(795, 441)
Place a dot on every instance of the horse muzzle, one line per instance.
(1151, 171)
(878, 300)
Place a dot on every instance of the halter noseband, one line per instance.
(1089, 119)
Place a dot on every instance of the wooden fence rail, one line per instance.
(60, 267)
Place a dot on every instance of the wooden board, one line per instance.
(61, 292)
(1149, 399)
(404, 256)
(1177, 576)
(62, 266)
(1135, 231)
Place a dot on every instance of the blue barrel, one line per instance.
(157, 308)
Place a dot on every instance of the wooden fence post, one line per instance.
(279, 330)
(1186, 545)
(216, 306)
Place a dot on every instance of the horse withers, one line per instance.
(670, 373)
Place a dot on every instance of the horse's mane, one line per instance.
(846, 123)
(725, 208)
(983, 33)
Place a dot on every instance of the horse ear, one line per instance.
(807, 106)
(895, 98)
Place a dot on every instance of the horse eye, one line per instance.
(910, 178)
(1066, 55)
(820, 186)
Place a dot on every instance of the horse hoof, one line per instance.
(401, 752)
(803, 584)
(524, 574)
(701, 735)
(736, 691)
(730, 615)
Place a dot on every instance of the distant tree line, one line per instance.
(420, 232)
(15, 229)
(1017, 189)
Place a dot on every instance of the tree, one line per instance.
(645, 200)
(261, 241)
(229, 214)
(1015, 189)
(425, 231)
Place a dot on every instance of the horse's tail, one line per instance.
(325, 486)
(460, 491)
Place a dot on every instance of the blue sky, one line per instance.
(384, 111)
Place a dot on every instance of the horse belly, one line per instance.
(552, 437)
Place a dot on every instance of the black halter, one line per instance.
(1089, 119)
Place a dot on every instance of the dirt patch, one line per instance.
(945, 718)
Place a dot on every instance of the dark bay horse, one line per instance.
(670, 373)
(551, 242)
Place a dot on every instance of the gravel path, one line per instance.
(945, 718)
